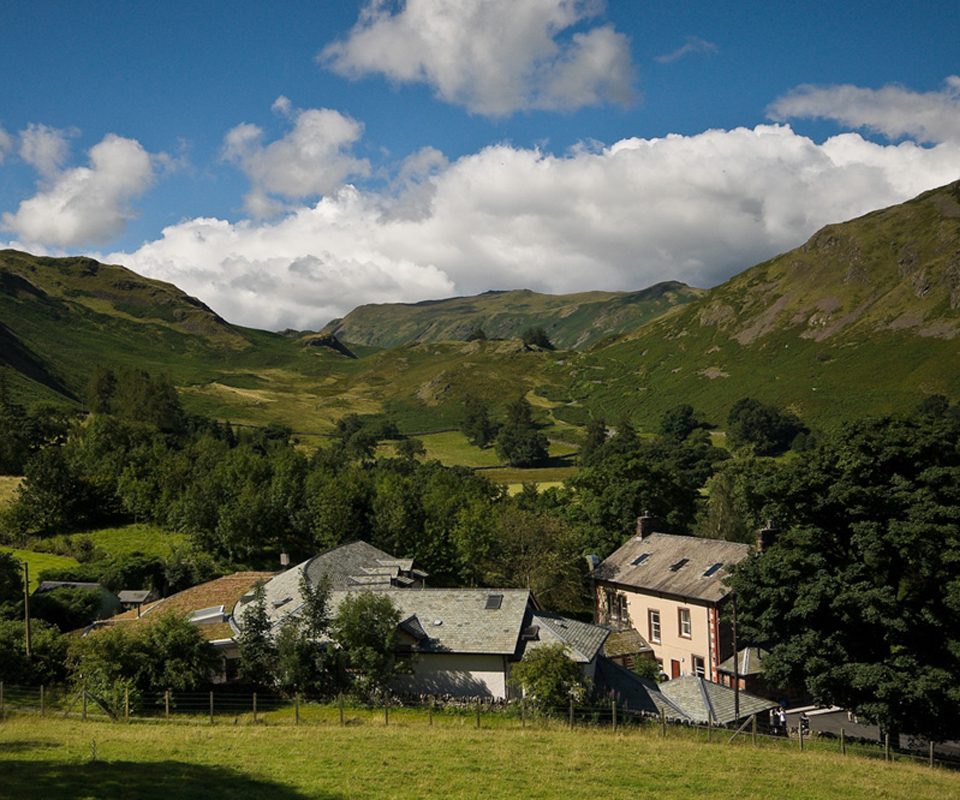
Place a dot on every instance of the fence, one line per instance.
(223, 706)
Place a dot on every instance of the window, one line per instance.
(686, 626)
(616, 607)
(712, 569)
(494, 601)
(678, 565)
(699, 667)
(640, 559)
(653, 619)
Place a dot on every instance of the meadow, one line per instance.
(42, 758)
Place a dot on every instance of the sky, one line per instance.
(288, 161)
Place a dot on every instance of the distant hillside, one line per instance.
(864, 317)
(60, 317)
(572, 321)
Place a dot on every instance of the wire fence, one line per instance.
(235, 707)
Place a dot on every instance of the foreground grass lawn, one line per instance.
(46, 758)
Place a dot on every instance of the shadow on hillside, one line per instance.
(137, 780)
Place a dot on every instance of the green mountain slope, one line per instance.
(863, 318)
(572, 321)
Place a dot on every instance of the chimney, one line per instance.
(767, 536)
(646, 525)
(284, 559)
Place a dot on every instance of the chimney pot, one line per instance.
(646, 524)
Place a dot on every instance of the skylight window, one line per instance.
(712, 569)
(494, 601)
(640, 559)
(679, 564)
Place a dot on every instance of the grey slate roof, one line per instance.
(656, 564)
(636, 693)
(701, 699)
(49, 586)
(466, 625)
(750, 662)
(358, 563)
(625, 643)
(134, 595)
(583, 640)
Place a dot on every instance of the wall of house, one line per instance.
(459, 675)
(672, 646)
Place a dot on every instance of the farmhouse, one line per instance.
(669, 590)
(462, 641)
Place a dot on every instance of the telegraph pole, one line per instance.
(26, 606)
(736, 659)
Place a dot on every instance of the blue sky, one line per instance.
(286, 162)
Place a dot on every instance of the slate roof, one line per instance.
(466, 625)
(636, 693)
(583, 640)
(750, 662)
(700, 699)
(664, 563)
(49, 586)
(628, 642)
(360, 564)
(134, 595)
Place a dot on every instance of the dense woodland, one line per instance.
(859, 600)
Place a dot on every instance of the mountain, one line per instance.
(572, 321)
(59, 317)
(862, 318)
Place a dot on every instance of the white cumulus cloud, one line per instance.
(693, 208)
(312, 159)
(893, 111)
(492, 56)
(44, 148)
(82, 205)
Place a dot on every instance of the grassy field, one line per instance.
(54, 758)
(8, 486)
(38, 562)
(140, 537)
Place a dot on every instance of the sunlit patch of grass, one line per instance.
(8, 488)
(38, 562)
(42, 758)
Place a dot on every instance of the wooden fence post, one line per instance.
(800, 733)
(571, 712)
(886, 747)
(663, 723)
(931, 753)
(254, 708)
(843, 742)
(478, 715)
(709, 727)
(3, 709)
(523, 714)
(83, 703)
(126, 703)
(340, 704)
(211, 707)
(430, 712)
(166, 704)
(42, 701)
(386, 713)
(296, 709)
(753, 729)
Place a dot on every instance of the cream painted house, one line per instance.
(670, 589)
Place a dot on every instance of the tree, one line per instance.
(679, 422)
(67, 608)
(410, 449)
(303, 657)
(549, 678)
(519, 441)
(15, 433)
(596, 437)
(859, 600)
(540, 552)
(766, 429)
(258, 653)
(48, 651)
(476, 424)
(536, 337)
(365, 630)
